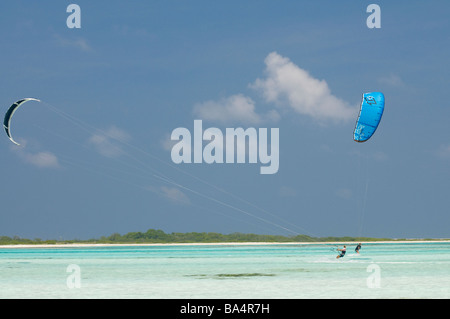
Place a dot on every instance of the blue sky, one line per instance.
(113, 90)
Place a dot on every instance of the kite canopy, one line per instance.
(10, 113)
(372, 107)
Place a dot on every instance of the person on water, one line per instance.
(358, 248)
(342, 252)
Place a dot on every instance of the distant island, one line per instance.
(157, 236)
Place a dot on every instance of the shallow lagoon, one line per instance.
(381, 270)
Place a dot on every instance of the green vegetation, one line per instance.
(158, 236)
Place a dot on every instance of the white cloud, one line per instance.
(392, 80)
(236, 108)
(167, 143)
(286, 83)
(105, 142)
(173, 194)
(77, 43)
(40, 159)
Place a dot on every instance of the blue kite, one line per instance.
(372, 107)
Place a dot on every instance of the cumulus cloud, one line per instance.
(173, 194)
(235, 108)
(42, 159)
(287, 84)
(106, 142)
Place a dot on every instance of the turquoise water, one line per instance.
(412, 270)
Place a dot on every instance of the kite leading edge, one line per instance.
(7, 120)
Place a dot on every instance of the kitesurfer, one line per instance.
(342, 252)
(358, 248)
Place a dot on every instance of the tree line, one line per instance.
(159, 236)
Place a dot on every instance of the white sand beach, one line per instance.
(79, 245)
